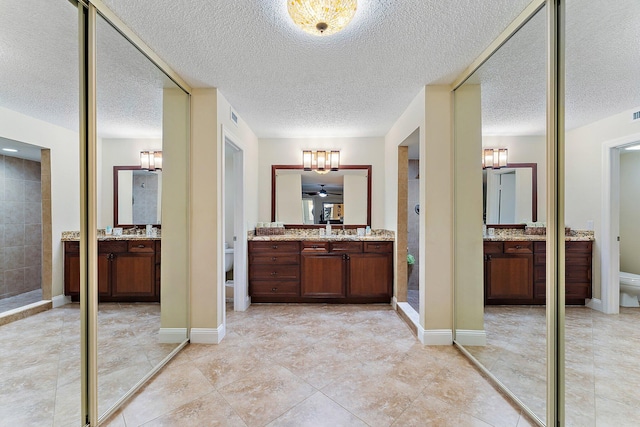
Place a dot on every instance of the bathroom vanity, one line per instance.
(515, 269)
(337, 269)
(128, 269)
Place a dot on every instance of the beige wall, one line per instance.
(630, 211)
(353, 151)
(468, 267)
(583, 170)
(65, 177)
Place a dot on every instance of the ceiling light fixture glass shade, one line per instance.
(151, 160)
(322, 17)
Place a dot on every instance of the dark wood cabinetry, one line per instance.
(515, 272)
(321, 271)
(128, 270)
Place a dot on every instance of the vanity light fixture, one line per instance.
(320, 161)
(151, 160)
(322, 17)
(494, 158)
(10, 150)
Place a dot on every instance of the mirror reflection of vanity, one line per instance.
(137, 196)
(510, 194)
(307, 198)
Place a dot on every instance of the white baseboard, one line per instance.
(435, 336)
(172, 335)
(471, 337)
(596, 304)
(60, 300)
(207, 335)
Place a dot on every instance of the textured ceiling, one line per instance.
(286, 83)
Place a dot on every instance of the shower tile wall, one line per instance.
(145, 198)
(413, 227)
(20, 226)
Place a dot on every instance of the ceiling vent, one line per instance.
(234, 117)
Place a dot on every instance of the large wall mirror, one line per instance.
(502, 102)
(510, 194)
(308, 198)
(137, 196)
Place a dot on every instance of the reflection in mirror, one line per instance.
(601, 192)
(510, 194)
(39, 197)
(302, 197)
(137, 196)
(142, 314)
(496, 320)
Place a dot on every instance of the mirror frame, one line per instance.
(534, 194)
(116, 169)
(301, 168)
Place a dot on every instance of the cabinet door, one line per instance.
(322, 276)
(71, 274)
(104, 273)
(508, 277)
(133, 275)
(370, 275)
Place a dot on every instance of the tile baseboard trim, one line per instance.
(471, 337)
(172, 335)
(596, 304)
(60, 300)
(435, 336)
(394, 303)
(207, 335)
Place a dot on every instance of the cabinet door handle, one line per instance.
(377, 246)
(141, 246)
(314, 246)
(274, 247)
(111, 256)
(274, 273)
(274, 259)
(518, 247)
(274, 289)
(488, 257)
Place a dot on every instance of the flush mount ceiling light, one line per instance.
(322, 17)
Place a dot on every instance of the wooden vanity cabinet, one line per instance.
(126, 270)
(515, 272)
(340, 271)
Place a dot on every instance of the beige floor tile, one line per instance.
(429, 411)
(317, 411)
(266, 394)
(610, 413)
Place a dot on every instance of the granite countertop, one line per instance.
(505, 234)
(74, 236)
(338, 235)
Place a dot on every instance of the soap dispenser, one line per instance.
(328, 229)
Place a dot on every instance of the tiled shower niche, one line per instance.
(20, 226)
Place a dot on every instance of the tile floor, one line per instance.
(318, 365)
(602, 369)
(21, 300)
(40, 361)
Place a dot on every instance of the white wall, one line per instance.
(117, 152)
(583, 187)
(353, 151)
(525, 149)
(65, 176)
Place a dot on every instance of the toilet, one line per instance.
(228, 266)
(629, 289)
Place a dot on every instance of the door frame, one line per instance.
(609, 302)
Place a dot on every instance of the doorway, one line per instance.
(234, 224)
(610, 287)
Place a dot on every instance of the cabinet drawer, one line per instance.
(577, 274)
(492, 247)
(284, 288)
(275, 259)
(578, 247)
(72, 247)
(540, 290)
(378, 247)
(147, 246)
(158, 251)
(577, 290)
(540, 259)
(518, 247)
(350, 247)
(540, 247)
(112, 246)
(539, 273)
(274, 246)
(315, 247)
(577, 259)
(274, 272)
